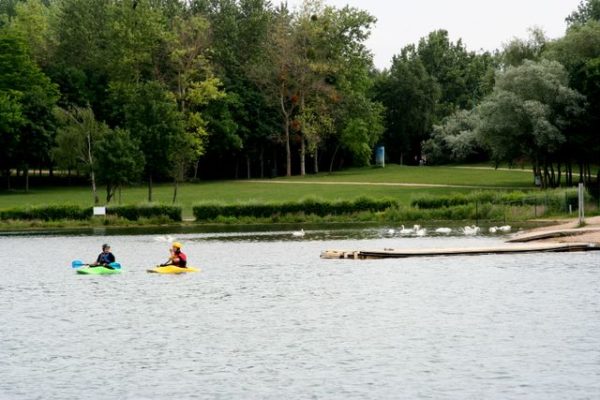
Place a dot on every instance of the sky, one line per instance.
(482, 24)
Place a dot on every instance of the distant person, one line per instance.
(177, 258)
(105, 258)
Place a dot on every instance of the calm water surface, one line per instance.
(268, 319)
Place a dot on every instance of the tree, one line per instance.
(579, 52)
(119, 161)
(80, 133)
(11, 120)
(410, 96)
(517, 50)
(530, 114)
(455, 139)
(24, 83)
(150, 113)
(587, 10)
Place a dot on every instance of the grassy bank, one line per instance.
(417, 194)
(373, 182)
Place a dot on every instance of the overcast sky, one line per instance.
(482, 24)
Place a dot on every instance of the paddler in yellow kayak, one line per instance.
(177, 258)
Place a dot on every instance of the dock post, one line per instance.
(581, 195)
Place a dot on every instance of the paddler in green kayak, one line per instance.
(177, 258)
(105, 258)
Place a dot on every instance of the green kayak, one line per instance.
(98, 271)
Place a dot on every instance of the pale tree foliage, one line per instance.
(529, 114)
(515, 52)
(79, 135)
(455, 139)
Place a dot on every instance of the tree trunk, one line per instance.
(196, 169)
(8, 179)
(26, 175)
(559, 174)
(110, 192)
(333, 158)
(302, 156)
(94, 190)
(248, 170)
(316, 160)
(288, 151)
(286, 121)
(262, 162)
(175, 187)
(91, 163)
(120, 195)
(150, 188)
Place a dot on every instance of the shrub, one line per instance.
(47, 213)
(308, 206)
(146, 211)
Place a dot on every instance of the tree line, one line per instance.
(129, 90)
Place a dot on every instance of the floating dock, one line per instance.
(474, 251)
(530, 237)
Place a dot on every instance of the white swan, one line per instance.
(493, 229)
(505, 228)
(471, 230)
(421, 232)
(166, 238)
(299, 233)
(444, 231)
(406, 231)
(391, 232)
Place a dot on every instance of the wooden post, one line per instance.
(581, 204)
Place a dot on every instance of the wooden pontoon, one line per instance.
(508, 249)
(530, 237)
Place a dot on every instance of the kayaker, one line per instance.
(104, 258)
(177, 258)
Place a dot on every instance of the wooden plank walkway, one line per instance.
(530, 237)
(508, 249)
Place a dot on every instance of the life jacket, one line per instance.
(106, 258)
(182, 259)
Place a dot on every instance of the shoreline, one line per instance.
(563, 231)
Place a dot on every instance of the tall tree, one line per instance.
(530, 113)
(410, 96)
(119, 161)
(24, 83)
(588, 10)
(79, 133)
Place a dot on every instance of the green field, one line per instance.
(372, 182)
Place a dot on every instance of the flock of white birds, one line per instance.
(471, 230)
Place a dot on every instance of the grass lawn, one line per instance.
(234, 191)
(462, 175)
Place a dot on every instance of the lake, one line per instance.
(268, 319)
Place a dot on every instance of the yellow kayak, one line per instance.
(172, 269)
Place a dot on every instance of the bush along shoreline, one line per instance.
(476, 206)
(76, 213)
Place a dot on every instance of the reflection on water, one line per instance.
(268, 319)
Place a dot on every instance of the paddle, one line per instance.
(79, 263)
